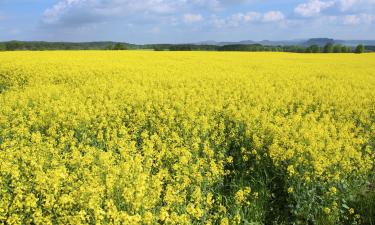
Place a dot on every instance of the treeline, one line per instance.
(40, 46)
(328, 48)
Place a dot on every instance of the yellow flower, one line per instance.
(291, 170)
(333, 190)
(209, 199)
(143, 137)
(224, 221)
(327, 210)
(241, 195)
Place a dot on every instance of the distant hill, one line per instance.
(355, 42)
(304, 42)
(246, 42)
(250, 42)
(319, 41)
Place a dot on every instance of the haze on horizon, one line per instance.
(177, 21)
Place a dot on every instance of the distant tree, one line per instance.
(158, 48)
(2, 47)
(182, 47)
(360, 49)
(315, 48)
(345, 49)
(300, 49)
(328, 48)
(119, 46)
(13, 45)
(337, 48)
(370, 48)
(108, 47)
(308, 50)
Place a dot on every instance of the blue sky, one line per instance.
(177, 21)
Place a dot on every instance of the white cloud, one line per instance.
(80, 12)
(63, 9)
(76, 11)
(217, 22)
(349, 5)
(158, 16)
(313, 7)
(211, 4)
(351, 19)
(192, 18)
(347, 12)
(240, 19)
(51, 15)
(354, 19)
(273, 16)
(237, 19)
(216, 4)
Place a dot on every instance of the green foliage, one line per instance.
(337, 49)
(345, 49)
(239, 47)
(360, 49)
(41, 46)
(294, 48)
(186, 47)
(364, 202)
(328, 48)
(119, 46)
(158, 48)
(13, 45)
(313, 49)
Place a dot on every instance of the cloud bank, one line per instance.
(183, 20)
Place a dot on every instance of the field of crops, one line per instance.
(137, 137)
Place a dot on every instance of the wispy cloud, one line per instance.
(190, 18)
(273, 16)
(356, 5)
(241, 19)
(356, 19)
(88, 11)
(313, 7)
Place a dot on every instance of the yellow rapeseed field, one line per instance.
(138, 137)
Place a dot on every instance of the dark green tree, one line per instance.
(314, 49)
(337, 49)
(13, 45)
(360, 49)
(308, 50)
(345, 49)
(328, 48)
(119, 46)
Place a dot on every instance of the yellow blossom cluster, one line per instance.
(138, 137)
